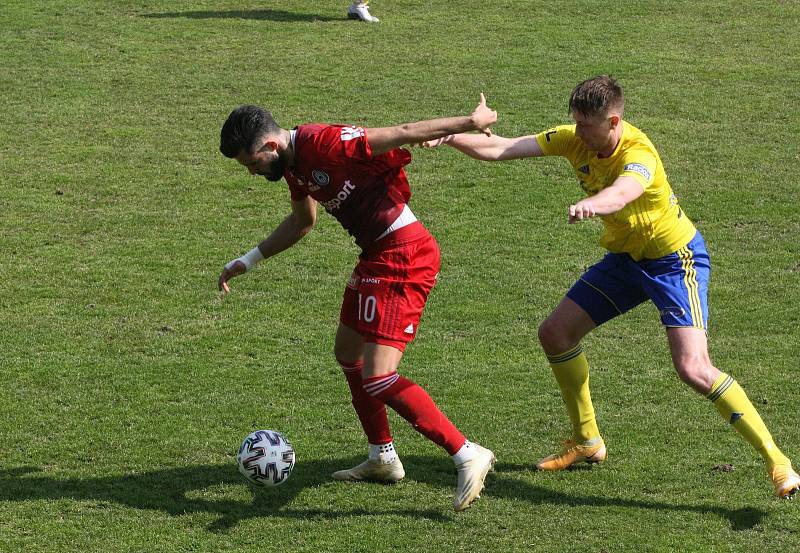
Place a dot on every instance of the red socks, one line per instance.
(371, 412)
(414, 404)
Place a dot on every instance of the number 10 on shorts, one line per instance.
(367, 307)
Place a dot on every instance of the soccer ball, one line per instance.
(266, 458)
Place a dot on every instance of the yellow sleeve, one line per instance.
(640, 164)
(558, 141)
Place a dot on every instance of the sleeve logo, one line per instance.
(351, 133)
(638, 168)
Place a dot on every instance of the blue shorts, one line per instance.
(676, 283)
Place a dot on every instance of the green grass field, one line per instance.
(128, 383)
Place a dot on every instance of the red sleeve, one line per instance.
(337, 142)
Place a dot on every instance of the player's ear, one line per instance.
(614, 119)
(265, 144)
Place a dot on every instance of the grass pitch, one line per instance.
(128, 383)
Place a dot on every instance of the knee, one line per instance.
(348, 346)
(342, 354)
(347, 353)
(697, 372)
(554, 339)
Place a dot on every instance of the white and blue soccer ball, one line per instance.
(266, 458)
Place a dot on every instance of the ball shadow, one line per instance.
(176, 491)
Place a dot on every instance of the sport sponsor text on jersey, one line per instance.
(341, 196)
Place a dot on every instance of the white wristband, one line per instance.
(249, 260)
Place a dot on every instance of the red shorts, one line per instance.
(385, 296)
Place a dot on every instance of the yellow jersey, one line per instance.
(651, 226)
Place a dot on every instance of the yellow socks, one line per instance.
(571, 370)
(732, 403)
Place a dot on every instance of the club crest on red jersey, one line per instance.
(320, 177)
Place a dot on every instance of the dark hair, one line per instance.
(597, 96)
(244, 126)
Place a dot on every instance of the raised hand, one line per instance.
(484, 117)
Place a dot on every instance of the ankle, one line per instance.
(466, 452)
(385, 453)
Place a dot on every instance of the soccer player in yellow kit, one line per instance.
(655, 253)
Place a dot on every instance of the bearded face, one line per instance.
(269, 161)
(273, 169)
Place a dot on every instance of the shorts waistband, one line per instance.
(408, 233)
(405, 218)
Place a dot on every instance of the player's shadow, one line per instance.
(184, 490)
(192, 489)
(500, 485)
(261, 15)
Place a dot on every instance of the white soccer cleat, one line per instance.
(373, 470)
(361, 11)
(471, 475)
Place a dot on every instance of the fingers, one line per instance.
(436, 142)
(482, 104)
(572, 218)
(224, 277)
(580, 211)
(231, 270)
(483, 116)
(222, 283)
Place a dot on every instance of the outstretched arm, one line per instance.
(384, 139)
(296, 225)
(490, 148)
(609, 200)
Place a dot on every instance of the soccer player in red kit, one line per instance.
(357, 175)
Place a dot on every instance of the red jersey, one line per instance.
(334, 165)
